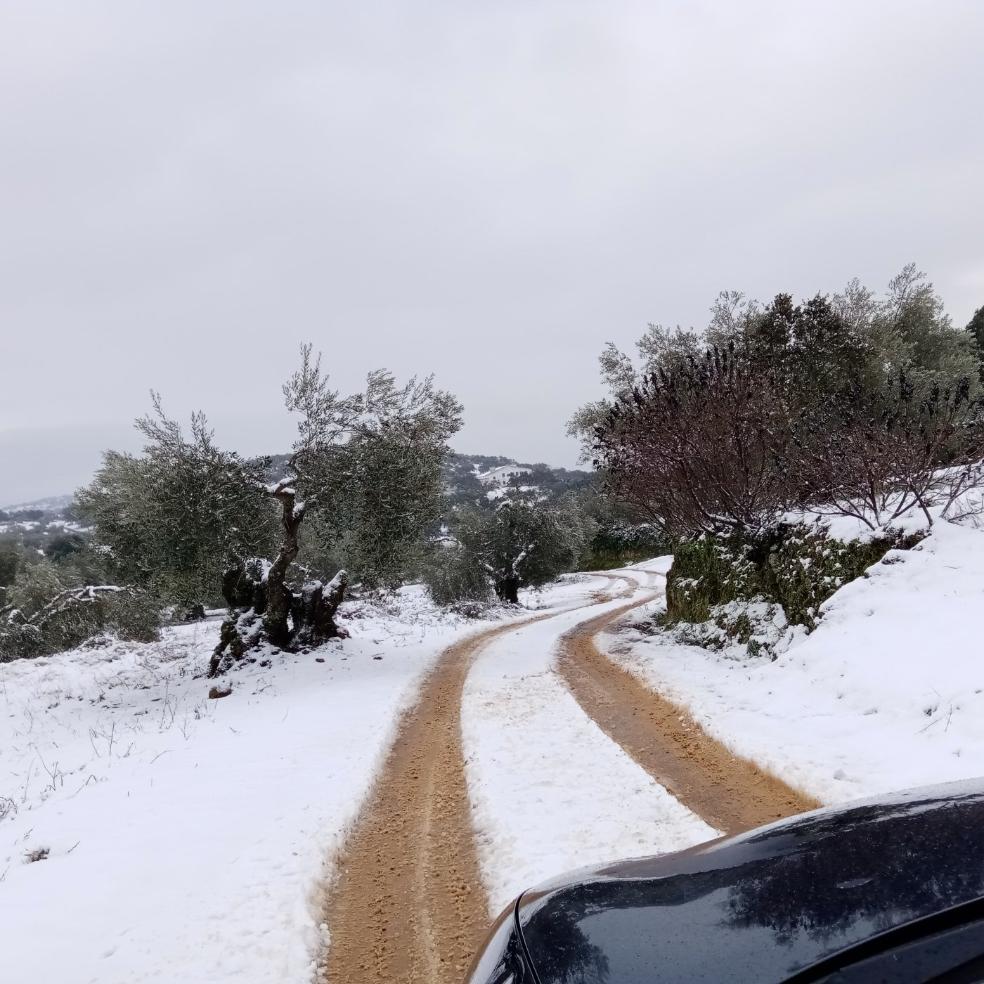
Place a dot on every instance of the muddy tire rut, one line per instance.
(407, 902)
(727, 791)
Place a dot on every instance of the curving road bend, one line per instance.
(728, 792)
(407, 902)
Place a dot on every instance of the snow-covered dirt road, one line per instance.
(550, 791)
(405, 902)
(499, 778)
(352, 814)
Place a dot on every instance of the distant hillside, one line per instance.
(47, 525)
(475, 479)
(53, 504)
(482, 479)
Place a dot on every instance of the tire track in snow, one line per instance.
(730, 793)
(406, 903)
(550, 790)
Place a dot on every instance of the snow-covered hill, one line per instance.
(470, 479)
(481, 479)
(53, 504)
(41, 525)
(502, 475)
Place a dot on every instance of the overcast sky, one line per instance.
(487, 191)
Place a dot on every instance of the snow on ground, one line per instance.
(181, 838)
(659, 567)
(549, 790)
(502, 474)
(886, 693)
(504, 491)
(185, 837)
(571, 590)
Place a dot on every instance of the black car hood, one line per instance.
(763, 905)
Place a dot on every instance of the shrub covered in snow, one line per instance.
(706, 572)
(739, 628)
(618, 542)
(455, 576)
(804, 566)
(47, 613)
(752, 589)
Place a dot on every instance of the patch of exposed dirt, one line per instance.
(728, 792)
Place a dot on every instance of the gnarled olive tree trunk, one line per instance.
(279, 597)
(507, 589)
(264, 610)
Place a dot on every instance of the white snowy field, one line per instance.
(886, 693)
(549, 790)
(184, 838)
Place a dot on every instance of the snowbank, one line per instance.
(887, 692)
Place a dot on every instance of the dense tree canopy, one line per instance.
(176, 516)
(850, 400)
(976, 331)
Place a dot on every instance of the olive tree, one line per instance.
(352, 457)
(523, 543)
(49, 608)
(176, 516)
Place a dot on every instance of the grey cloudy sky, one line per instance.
(488, 191)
